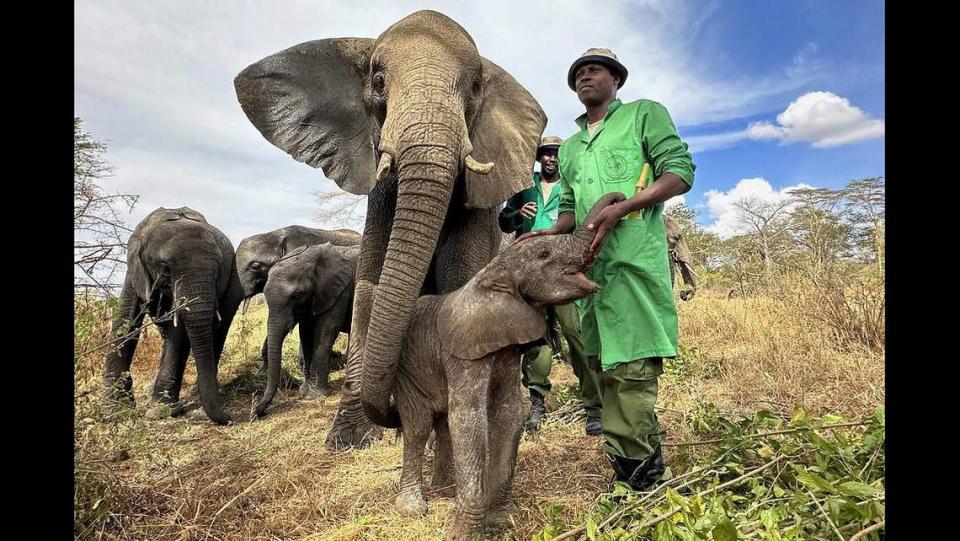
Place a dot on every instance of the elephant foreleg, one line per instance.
(117, 383)
(505, 418)
(443, 481)
(467, 403)
(416, 430)
(326, 331)
(166, 388)
(308, 339)
(351, 428)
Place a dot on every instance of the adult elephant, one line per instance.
(311, 287)
(407, 117)
(180, 270)
(680, 257)
(257, 254)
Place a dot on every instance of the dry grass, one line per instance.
(180, 479)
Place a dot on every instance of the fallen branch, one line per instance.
(730, 483)
(825, 515)
(867, 530)
(612, 518)
(765, 434)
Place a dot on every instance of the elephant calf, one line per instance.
(313, 287)
(257, 254)
(459, 371)
(180, 270)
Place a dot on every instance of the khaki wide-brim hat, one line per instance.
(550, 141)
(597, 55)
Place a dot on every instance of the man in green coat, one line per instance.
(534, 209)
(630, 325)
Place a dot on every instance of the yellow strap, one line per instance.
(641, 184)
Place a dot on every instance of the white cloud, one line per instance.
(703, 143)
(822, 118)
(675, 201)
(721, 209)
(155, 81)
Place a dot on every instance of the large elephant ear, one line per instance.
(308, 101)
(506, 132)
(334, 277)
(138, 273)
(475, 322)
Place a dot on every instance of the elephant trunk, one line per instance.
(277, 330)
(199, 316)
(429, 156)
(685, 260)
(584, 237)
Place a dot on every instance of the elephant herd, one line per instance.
(437, 310)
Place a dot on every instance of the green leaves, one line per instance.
(842, 468)
(724, 531)
(858, 489)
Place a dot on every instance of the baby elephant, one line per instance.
(459, 371)
(311, 286)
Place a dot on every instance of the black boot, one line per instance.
(537, 412)
(594, 426)
(641, 475)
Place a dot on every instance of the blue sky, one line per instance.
(768, 94)
(842, 41)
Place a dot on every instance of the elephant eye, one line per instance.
(545, 253)
(477, 86)
(255, 265)
(378, 81)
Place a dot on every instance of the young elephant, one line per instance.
(175, 256)
(459, 371)
(257, 254)
(312, 287)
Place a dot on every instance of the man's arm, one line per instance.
(672, 164)
(510, 218)
(566, 220)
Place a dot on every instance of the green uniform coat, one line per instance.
(547, 211)
(633, 316)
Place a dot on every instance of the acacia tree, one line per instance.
(866, 209)
(99, 231)
(765, 222)
(817, 229)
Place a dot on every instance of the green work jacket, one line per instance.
(633, 315)
(511, 221)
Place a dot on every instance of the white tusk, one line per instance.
(175, 312)
(218, 316)
(383, 168)
(477, 167)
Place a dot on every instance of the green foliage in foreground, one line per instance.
(814, 480)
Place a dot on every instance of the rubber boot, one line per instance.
(537, 412)
(640, 475)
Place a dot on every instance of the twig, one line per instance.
(730, 483)
(825, 515)
(618, 514)
(235, 498)
(867, 530)
(765, 434)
